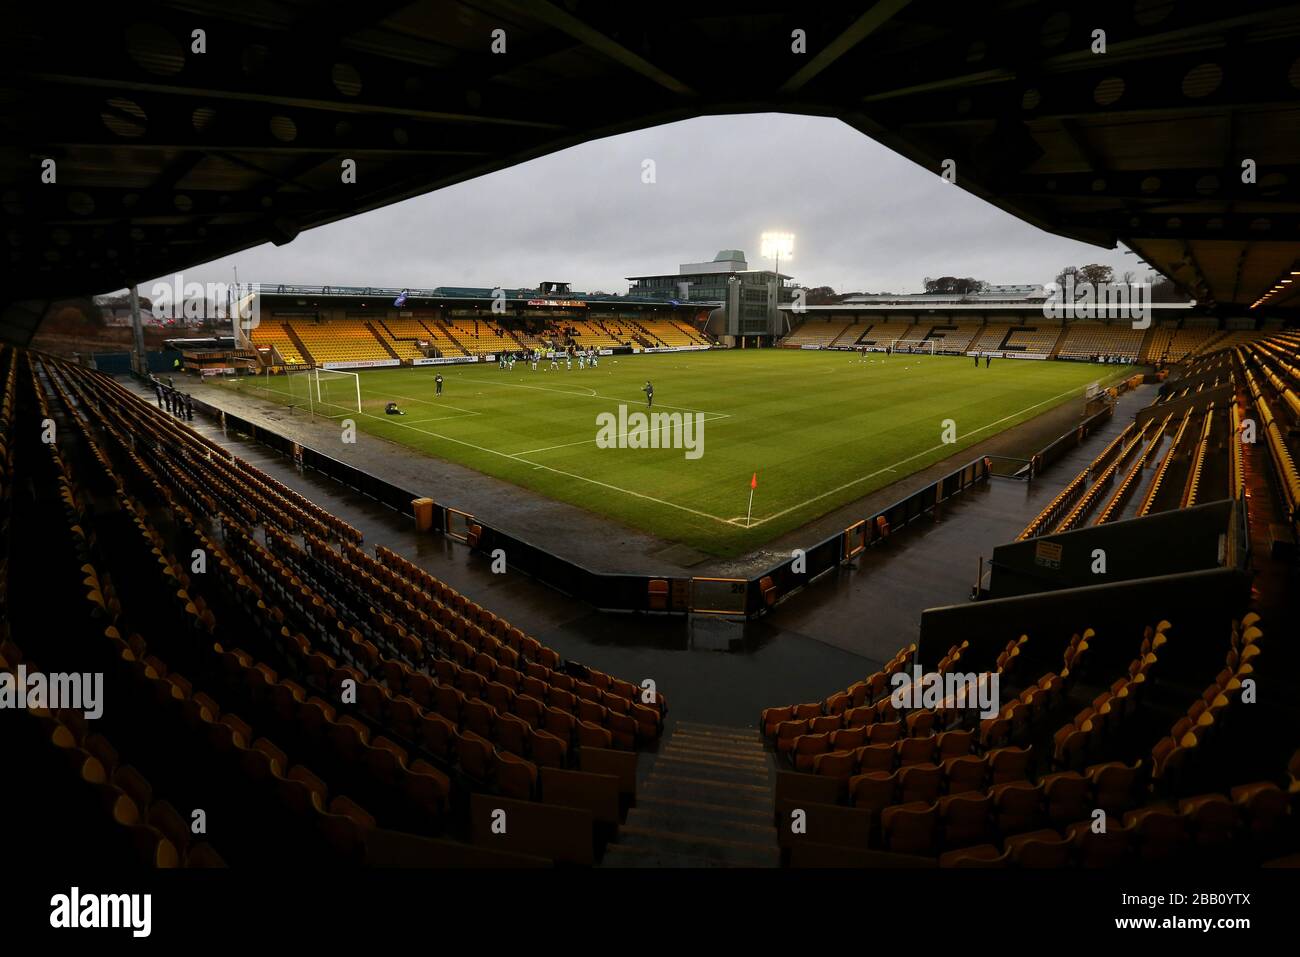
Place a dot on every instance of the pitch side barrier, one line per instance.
(800, 570)
(1067, 442)
(702, 595)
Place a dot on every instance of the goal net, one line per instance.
(906, 346)
(335, 389)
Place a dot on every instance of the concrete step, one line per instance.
(704, 798)
(751, 796)
(621, 855)
(730, 811)
(703, 821)
(724, 758)
(665, 847)
(710, 769)
(688, 739)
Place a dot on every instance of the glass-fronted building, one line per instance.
(746, 301)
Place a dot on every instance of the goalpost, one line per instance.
(337, 387)
(911, 346)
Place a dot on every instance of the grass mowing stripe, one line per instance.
(820, 428)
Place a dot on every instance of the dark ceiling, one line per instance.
(166, 158)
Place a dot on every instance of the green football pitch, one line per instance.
(819, 428)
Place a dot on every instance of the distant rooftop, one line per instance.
(388, 294)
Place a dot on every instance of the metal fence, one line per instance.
(738, 598)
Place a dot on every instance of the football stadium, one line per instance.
(737, 568)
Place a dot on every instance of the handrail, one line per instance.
(1165, 462)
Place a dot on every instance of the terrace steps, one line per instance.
(297, 341)
(704, 798)
(381, 340)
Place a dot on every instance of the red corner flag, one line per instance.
(753, 483)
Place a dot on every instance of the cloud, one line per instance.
(864, 218)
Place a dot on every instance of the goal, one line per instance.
(907, 346)
(327, 391)
(337, 388)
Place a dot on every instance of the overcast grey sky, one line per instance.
(864, 218)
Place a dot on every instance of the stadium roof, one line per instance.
(387, 294)
(948, 305)
(735, 272)
(165, 158)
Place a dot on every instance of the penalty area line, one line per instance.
(933, 448)
(536, 465)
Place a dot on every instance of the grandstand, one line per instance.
(886, 333)
(442, 338)
(241, 666)
(1037, 340)
(346, 337)
(955, 337)
(352, 340)
(991, 337)
(481, 337)
(1084, 340)
(822, 332)
(403, 336)
(276, 336)
(597, 335)
(911, 611)
(1181, 776)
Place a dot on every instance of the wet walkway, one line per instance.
(720, 673)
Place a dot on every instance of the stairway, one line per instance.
(382, 341)
(446, 331)
(302, 346)
(704, 799)
(1060, 341)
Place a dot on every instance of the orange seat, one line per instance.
(593, 736)
(876, 757)
(475, 755)
(1109, 848)
(1009, 764)
(787, 732)
(920, 782)
(772, 717)
(915, 751)
(516, 777)
(953, 744)
(965, 773)
(967, 819)
(438, 735)
(824, 724)
(884, 732)
(910, 828)
(511, 733)
(874, 790)
(1158, 833)
(1039, 849)
(834, 764)
(1068, 797)
(547, 750)
(478, 717)
(807, 747)
(848, 739)
(982, 855)
(1017, 806)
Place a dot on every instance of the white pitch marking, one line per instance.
(890, 468)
